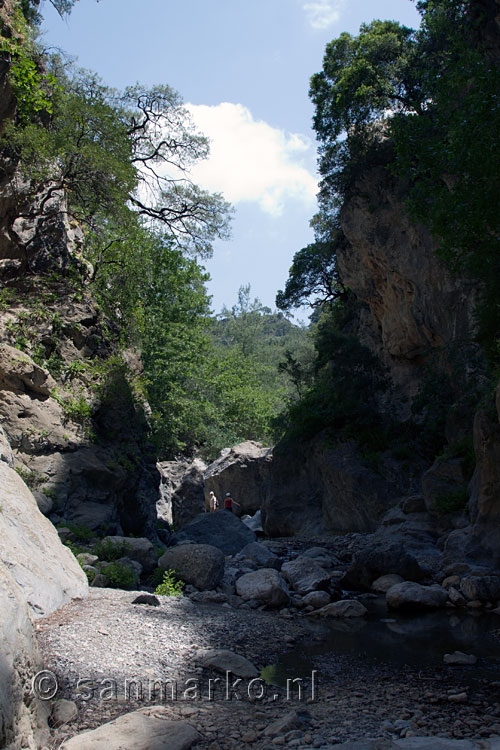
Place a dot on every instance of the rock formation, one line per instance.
(37, 576)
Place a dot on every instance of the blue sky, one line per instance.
(243, 67)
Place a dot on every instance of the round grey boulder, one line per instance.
(264, 585)
(410, 595)
(201, 565)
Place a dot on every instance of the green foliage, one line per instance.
(120, 575)
(313, 274)
(170, 585)
(110, 551)
(80, 532)
(75, 549)
(453, 501)
(31, 478)
(342, 398)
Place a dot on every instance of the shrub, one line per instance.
(109, 551)
(170, 586)
(120, 576)
(453, 501)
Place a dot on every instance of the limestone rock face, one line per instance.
(45, 571)
(484, 502)
(244, 471)
(96, 486)
(201, 565)
(37, 575)
(182, 491)
(415, 305)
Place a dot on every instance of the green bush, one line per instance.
(120, 576)
(110, 551)
(171, 586)
(453, 501)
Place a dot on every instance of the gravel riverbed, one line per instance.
(103, 648)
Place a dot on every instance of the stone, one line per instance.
(149, 599)
(37, 576)
(201, 565)
(6, 454)
(45, 504)
(221, 529)
(20, 374)
(145, 729)
(224, 661)
(182, 495)
(316, 599)
(481, 588)
(456, 597)
(460, 659)
(287, 723)
(63, 711)
(411, 595)
(260, 555)
(244, 471)
(265, 585)
(343, 609)
(139, 549)
(382, 558)
(305, 575)
(209, 597)
(384, 583)
(46, 571)
(254, 522)
(413, 504)
(86, 558)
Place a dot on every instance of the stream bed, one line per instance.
(397, 641)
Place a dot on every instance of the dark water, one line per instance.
(418, 641)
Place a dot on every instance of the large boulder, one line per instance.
(37, 575)
(47, 573)
(244, 471)
(345, 608)
(139, 549)
(481, 588)
(260, 555)
(225, 661)
(265, 585)
(379, 558)
(305, 575)
(221, 529)
(201, 565)
(413, 596)
(146, 729)
(182, 495)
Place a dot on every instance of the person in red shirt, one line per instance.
(229, 502)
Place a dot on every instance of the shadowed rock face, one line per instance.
(220, 529)
(415, 306)
(316, 487)
(245, 472)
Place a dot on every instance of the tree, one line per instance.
(110, 150)
(313, 274)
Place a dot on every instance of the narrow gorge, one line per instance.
(344, 590)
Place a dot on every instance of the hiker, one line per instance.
(229, 502)
(212, 502)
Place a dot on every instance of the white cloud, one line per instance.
(252, 161)
(322, 14)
